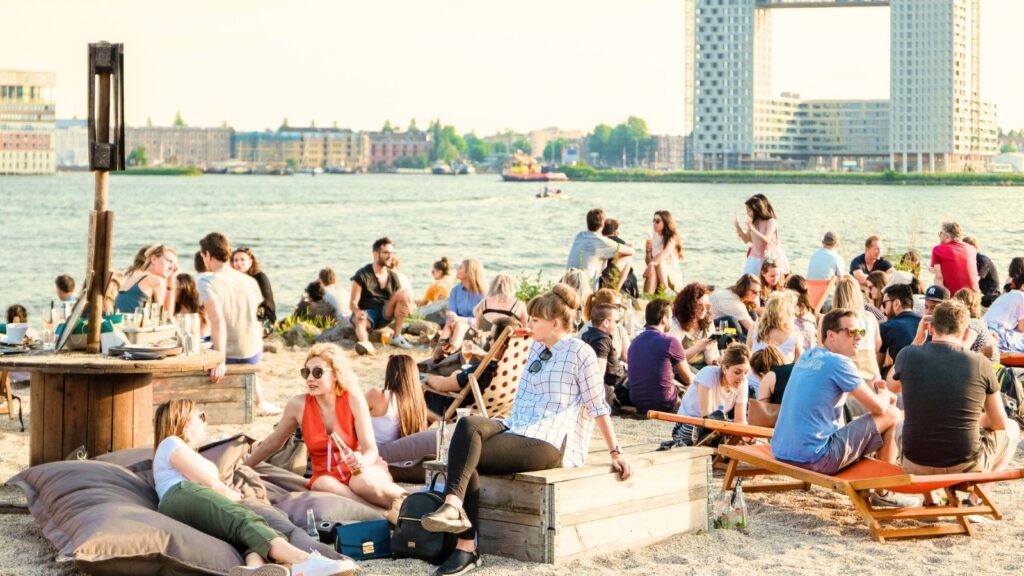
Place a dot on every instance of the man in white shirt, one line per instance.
(826, 262)
(590, 249)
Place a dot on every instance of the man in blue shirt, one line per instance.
(807, 434)
(899, 331)
(826, 262)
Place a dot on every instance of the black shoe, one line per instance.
(447, 518)
(460, 562)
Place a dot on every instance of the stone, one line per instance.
(302, 335)
(435, 312)
(337, 334)
(273, 344)
(422, 328)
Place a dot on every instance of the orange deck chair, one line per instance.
(868, 474)
(818, 291)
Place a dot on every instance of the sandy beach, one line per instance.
(790, 533)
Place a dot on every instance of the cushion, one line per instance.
(405, 456)
(326, 507)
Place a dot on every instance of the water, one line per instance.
(298, 224)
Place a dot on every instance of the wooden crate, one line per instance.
(567, 513)
(230, 401)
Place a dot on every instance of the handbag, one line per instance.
(363, 540)
(410, 540)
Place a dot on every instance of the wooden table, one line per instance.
(98, 401)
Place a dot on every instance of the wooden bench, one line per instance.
(230, 401)
(556, 515)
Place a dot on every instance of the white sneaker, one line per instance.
(893, 500)
(364, 348)
(317, 565)
(401, 342)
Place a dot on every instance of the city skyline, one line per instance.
(570, 65)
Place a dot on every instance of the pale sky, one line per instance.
(476, 64)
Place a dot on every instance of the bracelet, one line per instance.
(616, 450)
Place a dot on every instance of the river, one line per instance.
(298, 224)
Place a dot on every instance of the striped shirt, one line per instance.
(558, 403)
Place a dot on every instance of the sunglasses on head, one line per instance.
(539, 363)
(317, 372)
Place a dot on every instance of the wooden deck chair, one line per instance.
(7, 401)
(495, 401)
(1014, 359)
(868, 474)
(818, 291)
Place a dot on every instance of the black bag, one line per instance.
(410, 540)
(1011, 384)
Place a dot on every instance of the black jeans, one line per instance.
(481, 445)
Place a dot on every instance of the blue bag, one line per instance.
(364, 540)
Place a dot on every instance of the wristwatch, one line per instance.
(616, 450)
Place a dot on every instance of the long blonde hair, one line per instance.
(848, 295)
(474, 280)
(171, 419)
(779, 313)
(401, 378)
(344, 377)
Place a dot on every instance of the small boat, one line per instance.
(441, 168)
(523, 168)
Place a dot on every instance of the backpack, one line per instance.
(410, 540)
(1011, 384)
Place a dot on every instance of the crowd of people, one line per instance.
(880, 363)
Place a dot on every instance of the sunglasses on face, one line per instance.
(853, 332)
(317, 372)
(657, 220)
(539, 363)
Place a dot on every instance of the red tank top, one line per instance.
(322, 452)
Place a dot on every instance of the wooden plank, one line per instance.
(76, 415)
(123, 423)
(53, 418)
(600, 465)
(522, 518)
(692, 492)
(510, 540)
(502, 493)
(939, 530)
(101, 413)
(628, 531)
(918, 512)
(142, 411)
(235, 393)
(36, 424)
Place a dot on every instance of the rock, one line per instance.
(434, 312)
(422, 328)
(337, 334)
(301, 335)
(273, 343)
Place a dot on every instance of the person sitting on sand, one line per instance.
(954, 262)
(557, 405)
(438, 404)
(806, 321)
(720, 389)
(771, 368)
(65, 286)
(313, 305)
(1006, 317)
(377, 298)
(870, 261)
(439, 288)
(500, 302)
(189, 490)
(988, 276)
(849, 295)
(610, 368)
(334, 405)
(691, 323)
(776, 327)
(245, 261)
(186, 301)
(899, 330)
(397, 409)
(772, 279)
(335, 295)
(664, 254)
(591, 250)
(977, 338)
(151, 282)
(954, 419)
(608, 297)
(826, 262)
(623, 280)
(462, 303)
(735, 303)
(806, 433)
(656, 361)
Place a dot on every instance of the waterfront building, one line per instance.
(72, 143)
(667, 152)
(305, 148)
(387, 147)
(181, 146)
(27, 122)
(934, 121)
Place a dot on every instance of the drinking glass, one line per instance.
(48, 319)
(140, 316)
(467, 354)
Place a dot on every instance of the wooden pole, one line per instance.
(100, 233)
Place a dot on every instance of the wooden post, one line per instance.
(99, 234)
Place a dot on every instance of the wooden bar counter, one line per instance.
(102, 402)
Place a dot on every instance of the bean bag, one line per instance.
(405, 456)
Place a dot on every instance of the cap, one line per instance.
(936, 293)
(830, 239)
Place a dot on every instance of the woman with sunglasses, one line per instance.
(333, 405)
(559, 400)
(190, 491)
(664, 253)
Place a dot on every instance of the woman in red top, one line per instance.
(333, 403)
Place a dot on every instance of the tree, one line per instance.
(553, 150)
(597, 142)
(224, 123)
(284, 123)
(335, 125)
(1011, 134)
(137, 157)
(178, 121)
(312, 123)
(388, 128)
(1008, 148)
(413, 129)
(523, 146)
(149, 121)
(499, 148)
(478, 149)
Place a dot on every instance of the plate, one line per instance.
(128, 355)
(148, 348)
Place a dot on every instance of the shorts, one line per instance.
(846, 446)
(376, 317)
(993, 445)
(250, 360)
(343, 476)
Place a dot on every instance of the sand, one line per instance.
(792, 533)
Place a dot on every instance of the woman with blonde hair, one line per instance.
(664, 253)
(557, 404)
(462, 301)
(500, 302)
(150, 279)
(978, 337)
(333, 406)
(848, 295)
(777, 327)
(806, 320)
(577, 280)
(190, 491)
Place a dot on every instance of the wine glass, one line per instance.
(467, 355)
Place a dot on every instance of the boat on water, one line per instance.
(523, 168)
(441, 169)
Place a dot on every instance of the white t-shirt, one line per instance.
(710, 377)
(239, 296)
(725, 303)
(1007, 310)
(590, 251)
(166, 476)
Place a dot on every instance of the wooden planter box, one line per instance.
(567, 513)
(230, 401)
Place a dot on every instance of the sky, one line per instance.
(478, 65)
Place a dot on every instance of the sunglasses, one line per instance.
(539, 363)
(884, 302)
(202, 417)
(855, 331)
(657, 221)
(317, 372)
